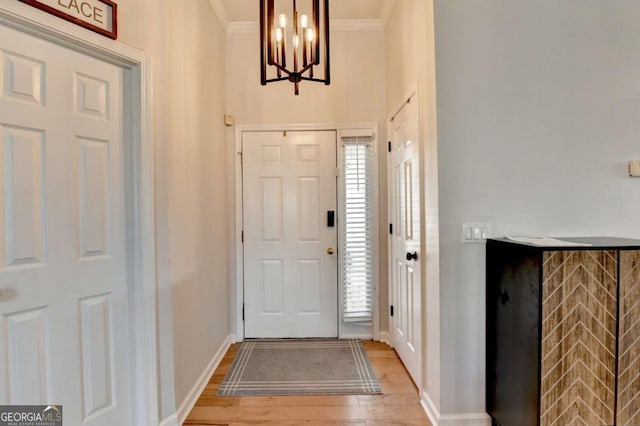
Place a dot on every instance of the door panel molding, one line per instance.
(137, 102)
(301, 186)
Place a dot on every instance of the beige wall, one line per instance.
(197, 183)
(409, 39)
(356, 94)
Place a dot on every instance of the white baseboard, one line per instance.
(198, 387)
(464, 419)
(385, 337)
(172, 420)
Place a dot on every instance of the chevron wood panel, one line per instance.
(578, 338)
(628, 413)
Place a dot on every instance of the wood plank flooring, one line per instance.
(399, 404)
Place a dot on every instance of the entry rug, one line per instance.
(300, 367)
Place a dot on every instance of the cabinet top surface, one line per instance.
(595, 243)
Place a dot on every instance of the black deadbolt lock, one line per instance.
(331, 218)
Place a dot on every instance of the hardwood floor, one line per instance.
(399, 404)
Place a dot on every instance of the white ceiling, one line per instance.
(247, 10)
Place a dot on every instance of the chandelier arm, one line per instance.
(283, 69)
(306, 68)
(272, 80)
(317, 80)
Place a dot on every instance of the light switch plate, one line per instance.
(634, 168)
(475, 233)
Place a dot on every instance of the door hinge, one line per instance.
(242, 236)
(391, 228)
(241, 158)
(391, 310)
(389, 146)
(243, 312)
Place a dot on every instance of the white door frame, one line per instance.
(139, 189)
(237, 293)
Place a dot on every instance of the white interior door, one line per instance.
(404, 271)
(290, 252)
(63, 250)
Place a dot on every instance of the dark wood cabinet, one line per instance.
(563, 333)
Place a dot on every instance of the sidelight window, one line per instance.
(358, 227)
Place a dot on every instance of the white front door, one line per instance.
(404, 197)
(63, 247)
(290, 251)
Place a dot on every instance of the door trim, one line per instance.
(139, 188)
(237, 264)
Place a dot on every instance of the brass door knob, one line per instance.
(330, 250)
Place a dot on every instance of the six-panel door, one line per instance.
(63, 249)
(290, 252)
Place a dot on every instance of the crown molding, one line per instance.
(221, 13)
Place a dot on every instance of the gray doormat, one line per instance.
(300, 367)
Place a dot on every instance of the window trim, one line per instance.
(357, 329)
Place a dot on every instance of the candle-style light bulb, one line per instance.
(296, 41)
(283, 21)
(278, 35)
(304, 21)
(310, 35)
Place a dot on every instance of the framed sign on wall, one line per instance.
(100, 16)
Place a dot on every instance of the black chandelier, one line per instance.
(305, 51)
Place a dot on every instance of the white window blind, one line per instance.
(357, 228)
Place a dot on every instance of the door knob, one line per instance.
(412, 256)
(330, 250)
